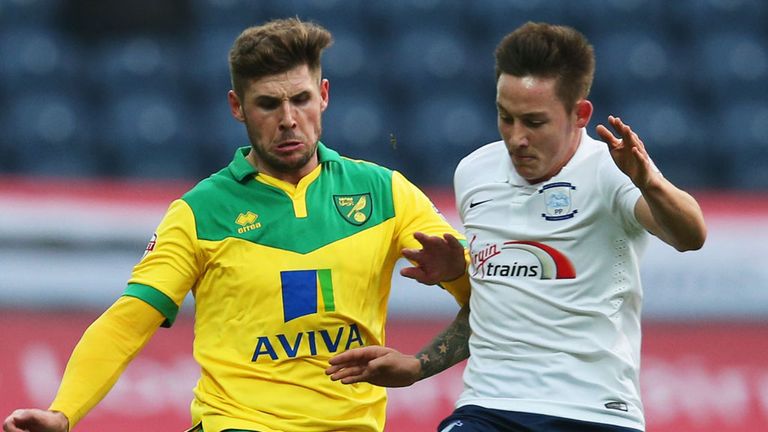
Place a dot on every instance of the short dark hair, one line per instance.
(275, 47)
(551, 51)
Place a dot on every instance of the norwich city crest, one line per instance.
(355, 209)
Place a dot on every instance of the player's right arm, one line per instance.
(387, 367)
(101, 355)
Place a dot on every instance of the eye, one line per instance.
(534, 123)
(301, 98)
(504, 118)
(267, 104)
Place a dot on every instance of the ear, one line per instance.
(325, 87)
(583, 112)
(235, 106)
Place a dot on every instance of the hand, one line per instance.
(36, 420)
(628, 152)
(377, 365)
(441, 259)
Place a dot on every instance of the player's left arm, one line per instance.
(668, 212)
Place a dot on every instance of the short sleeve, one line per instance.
(171, 265)
(416, 213)
(621, 193)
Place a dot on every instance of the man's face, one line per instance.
(282, 115)
(541, 137)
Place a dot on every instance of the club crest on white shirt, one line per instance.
(558, 202)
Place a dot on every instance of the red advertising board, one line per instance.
(696, 377)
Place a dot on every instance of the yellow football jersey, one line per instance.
(283, 278)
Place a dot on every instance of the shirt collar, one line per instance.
(241, 169)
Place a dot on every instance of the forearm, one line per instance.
(676, 216)
(101, 355)
(448, 348)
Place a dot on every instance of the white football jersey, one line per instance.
(556, 293)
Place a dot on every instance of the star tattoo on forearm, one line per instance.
(448, 348)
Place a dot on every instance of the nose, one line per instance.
(518, 135)
(287, 119)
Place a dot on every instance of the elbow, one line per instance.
(694, 242)
(689, 246)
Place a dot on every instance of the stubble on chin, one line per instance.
(278, 164)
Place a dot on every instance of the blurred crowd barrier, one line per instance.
(73, 244)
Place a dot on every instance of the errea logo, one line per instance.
(247, 222)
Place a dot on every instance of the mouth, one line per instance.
(289, 146)
(522, 158)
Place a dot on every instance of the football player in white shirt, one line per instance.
(556, 223)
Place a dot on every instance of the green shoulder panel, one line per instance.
(348, 197)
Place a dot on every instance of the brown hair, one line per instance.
(550, 51)
(275, 47)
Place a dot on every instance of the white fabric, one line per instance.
(555, 321)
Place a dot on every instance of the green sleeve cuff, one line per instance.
(156, 299)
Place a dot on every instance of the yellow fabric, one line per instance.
(418, 215)
(298, 193)
(101, 355)
(260, 371)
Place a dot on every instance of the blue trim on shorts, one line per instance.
(473, 418)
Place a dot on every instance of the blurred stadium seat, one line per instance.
(49, 133)
(139, 62)
(230, 13)
(418, 57)
(350, 56)
(335, 15)
(218, 134)
(499, 17)
(359, 124)
(420, 71)
(149, 135)
(441, 130)
(675, 135)
(36, 12)
(208, 51)
(700, 17)
(37, 54)
(638, 64)
(594, 16)
(731, 64)
(742, 141)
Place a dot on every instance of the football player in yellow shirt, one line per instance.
(288, 252)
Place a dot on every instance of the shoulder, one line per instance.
(597, 157)
(211, 188)
(361, 173)
(592, 160)
(485, 157)
(358, 167)
(593, 149)
(481, 166)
